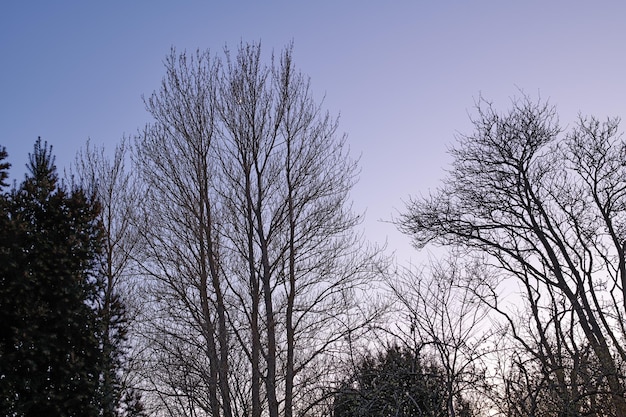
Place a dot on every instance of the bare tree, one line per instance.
(548, 210)
(187, 332)
(544, 365)
(257, 271)
(116, 190)
(446, 322)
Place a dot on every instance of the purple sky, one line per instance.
(403, 75)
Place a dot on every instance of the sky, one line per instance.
(402, 75)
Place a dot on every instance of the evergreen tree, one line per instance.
(113, 325)
(50, 354)
(395, 382)
(4, 167)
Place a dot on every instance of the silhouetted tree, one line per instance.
(255, 265)
(548, 210)
(117, 192)
(396, 382)
(50, 354)
(4, 166)
(447, 321)
(529, 388)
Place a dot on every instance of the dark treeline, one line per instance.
(212, 265)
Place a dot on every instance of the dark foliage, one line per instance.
(113, 323)
(50, 355)
(4, 166)
(395, 382)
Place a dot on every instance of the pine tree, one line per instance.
(395, 382)
(113, 321)
(50, 355)
(4, 167)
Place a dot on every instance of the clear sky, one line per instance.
(403, 75)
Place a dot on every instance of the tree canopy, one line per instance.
(546, 209)
(49, 331)
(395, 382)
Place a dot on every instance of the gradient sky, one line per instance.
(403, 75)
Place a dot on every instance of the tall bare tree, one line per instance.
(548, 210)
(175, 160)
(257, 269)
(112, 184)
